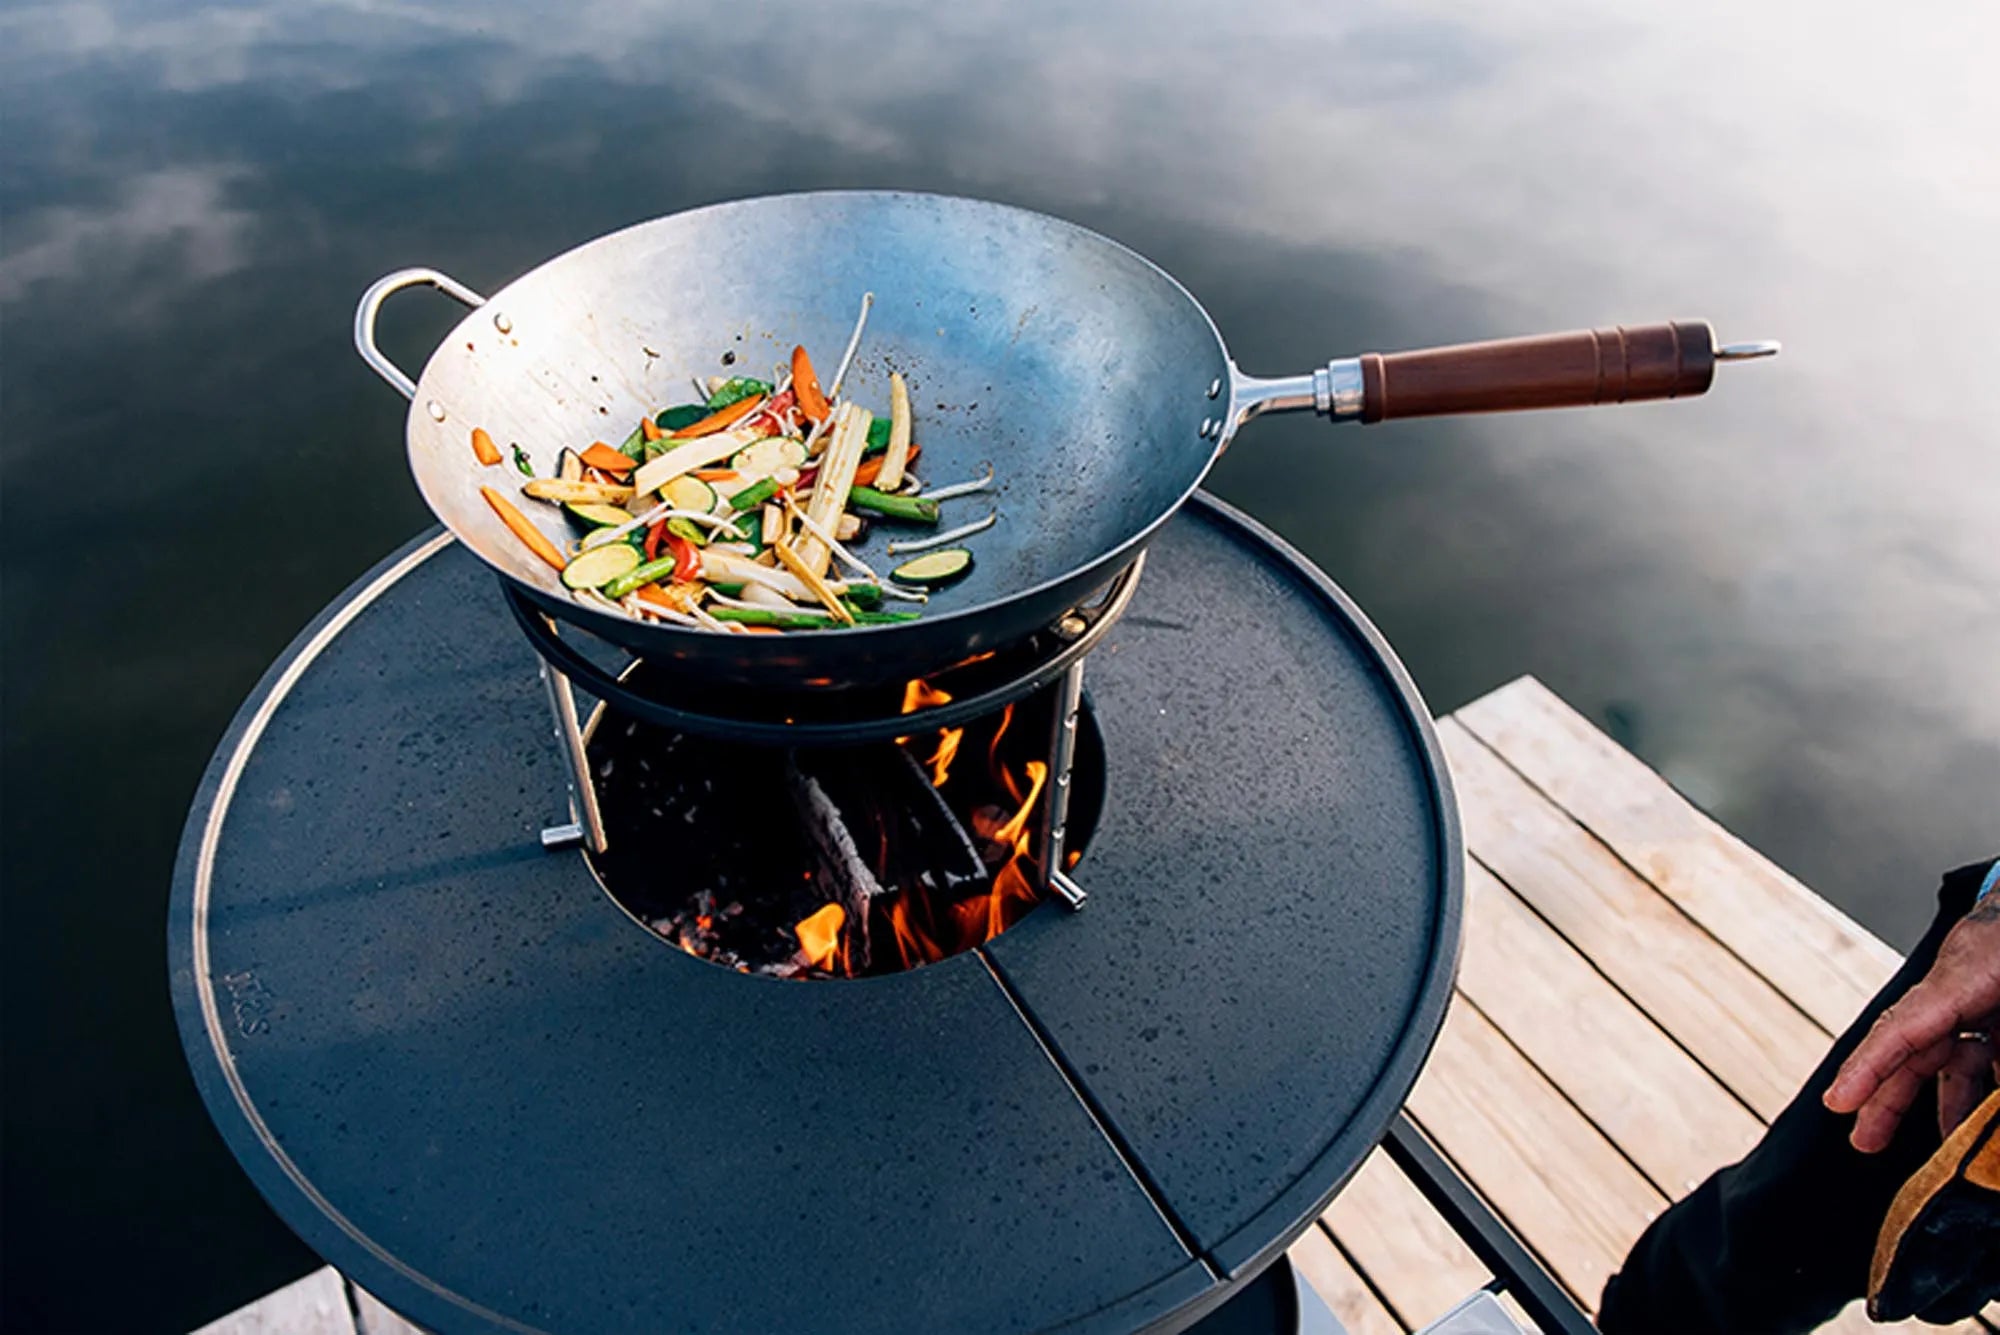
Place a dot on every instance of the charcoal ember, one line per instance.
(730, 884)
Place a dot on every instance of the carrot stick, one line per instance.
(525, 531)
(483, 446)
(650, 429)
(712, 474)
(805, 385)
(871, 467)
(600, 455)
(719, 419)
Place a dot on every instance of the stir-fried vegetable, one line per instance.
(743, 511)
(522, 529)
(600, 565)
(935, 568)
(805, 384)
(607, 460)
(733, 412)
(909, 509)
(564, 493)
(897, 454)
(735, 390)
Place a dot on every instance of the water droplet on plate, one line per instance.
(435, 409)
(502, 323)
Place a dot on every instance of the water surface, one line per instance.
(1786, 596)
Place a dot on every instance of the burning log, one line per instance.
(879, 828)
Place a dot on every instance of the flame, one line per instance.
(919, 694)
(819, 934)
(947, 751)
(1012, 893)
(922, 928)
(922, 695)
(1015, 830)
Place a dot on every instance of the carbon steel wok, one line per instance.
(1095, 384)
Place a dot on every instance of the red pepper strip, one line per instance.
(653, 537)
(687, 565)
(772, 418)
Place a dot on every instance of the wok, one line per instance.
(1096, 386)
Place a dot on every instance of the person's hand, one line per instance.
(1943, 1027)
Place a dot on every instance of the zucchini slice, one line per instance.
(601, 565)
(934, 568)
(761, 458)
(680, 415)
(690, 493)
(597, 537)
(595, 513)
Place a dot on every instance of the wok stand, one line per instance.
(1074, 634)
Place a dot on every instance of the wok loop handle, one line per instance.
(371, 304)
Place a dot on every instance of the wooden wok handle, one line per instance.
(1586, 366)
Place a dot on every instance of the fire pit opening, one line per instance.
(838, 862)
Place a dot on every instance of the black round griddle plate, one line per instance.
(475, 1086)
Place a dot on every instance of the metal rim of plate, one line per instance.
(1250, 1247)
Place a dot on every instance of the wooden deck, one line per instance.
(1640, 992)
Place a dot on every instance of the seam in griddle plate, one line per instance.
(1154, 1196)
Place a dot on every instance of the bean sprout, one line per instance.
(964, 488)
(708, 620)
(666, 510)
(639, 607)
(789, 606)
(943, 539)
(853, 343)
(832, 543)
(846, 358)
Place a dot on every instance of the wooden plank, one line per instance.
(1732, 1020)
(372, 1316)
(1563, 1187)
(1656, 1103)
(315, 1305)
(1812, 952)
(1335, 1279)
(1419, 1266)
(1853, 1320)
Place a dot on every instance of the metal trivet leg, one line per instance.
(1514, 1267)
(586, 821)
(1055, 790)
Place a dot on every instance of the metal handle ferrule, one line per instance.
(1334, 391)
